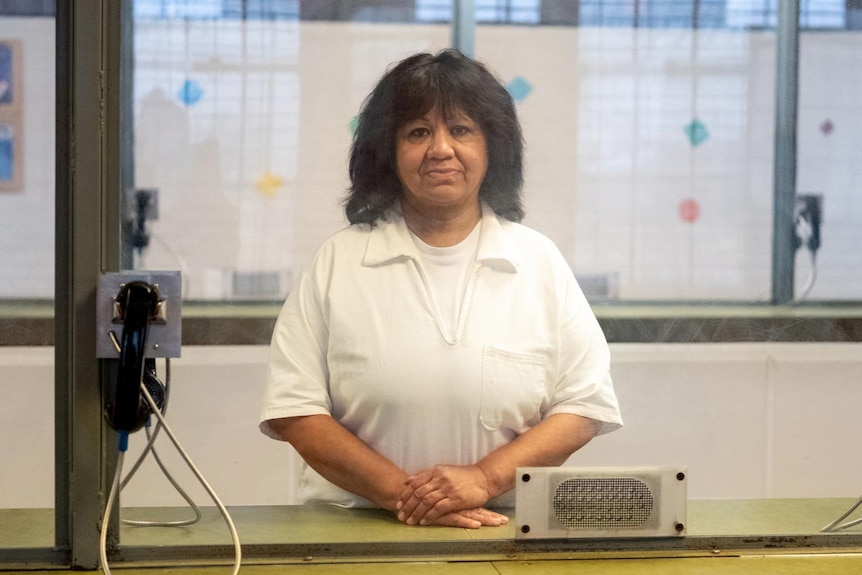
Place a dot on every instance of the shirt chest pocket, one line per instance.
(513, 387)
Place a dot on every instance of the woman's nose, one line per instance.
(440, 145)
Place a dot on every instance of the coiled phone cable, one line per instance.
(150, 448)
(115, 488)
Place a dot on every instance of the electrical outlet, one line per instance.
(164, 337)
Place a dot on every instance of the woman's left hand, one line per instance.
(444, 489)
(472, 519)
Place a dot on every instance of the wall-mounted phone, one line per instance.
(138, 320)
(807, 217)
(138, 316)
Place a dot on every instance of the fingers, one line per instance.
(486, 517)
(420, 495)
(424, 502)
(436, 492)
(429, 496)
(457, 520)
(471, 519)
(413, 483)
(423, 507)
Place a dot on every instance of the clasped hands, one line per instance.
(448, 495)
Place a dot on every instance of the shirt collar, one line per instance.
(390, 241)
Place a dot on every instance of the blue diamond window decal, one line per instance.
(519, 89)
(190, 93)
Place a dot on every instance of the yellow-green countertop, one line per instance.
(776, 536)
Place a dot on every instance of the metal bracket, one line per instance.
(165, 333)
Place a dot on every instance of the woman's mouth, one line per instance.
(442, 173)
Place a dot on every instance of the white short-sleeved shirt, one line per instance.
(359, 339)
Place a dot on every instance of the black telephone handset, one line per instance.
(126, 409)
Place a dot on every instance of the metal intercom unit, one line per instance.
(571, 502)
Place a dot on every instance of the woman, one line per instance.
(436, 344)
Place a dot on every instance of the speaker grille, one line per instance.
(598, 502)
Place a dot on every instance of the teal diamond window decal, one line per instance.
(696, 132)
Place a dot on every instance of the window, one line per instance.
(27, 420)
(228, 94)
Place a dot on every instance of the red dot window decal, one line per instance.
(689, 211)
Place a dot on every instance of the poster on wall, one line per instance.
(11, 116)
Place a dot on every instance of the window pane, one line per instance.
(650, 155)
(650, 165)
(27, 157)
(651, 125)
(26, 273)
(828, 162)
(242, 129)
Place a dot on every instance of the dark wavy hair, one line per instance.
(409, 90)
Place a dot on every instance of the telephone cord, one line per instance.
(812, 277)
(151, 438)
(115, 488)
(150, 447)
(834, 526)
(222, 510)
(194, 507)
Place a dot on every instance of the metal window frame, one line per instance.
(784, 175)
(90, 170)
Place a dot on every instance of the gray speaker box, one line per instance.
(577, 502)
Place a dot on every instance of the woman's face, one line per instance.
(441, 161)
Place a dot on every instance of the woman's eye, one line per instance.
(468, 129)
(418, 133)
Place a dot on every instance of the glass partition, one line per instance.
(650, 138)
(649, 124)
(650, 131)
(27, 272)
(243, 122)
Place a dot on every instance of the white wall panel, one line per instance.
(750, 421)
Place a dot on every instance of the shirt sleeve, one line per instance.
(583, 386)
(297, 377)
